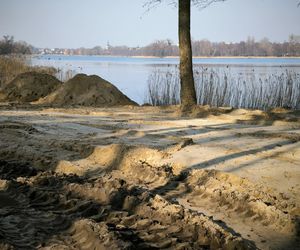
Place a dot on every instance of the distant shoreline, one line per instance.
(177, 57)
(221, 57)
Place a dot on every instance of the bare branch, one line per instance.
(201, 4)
(152, 4)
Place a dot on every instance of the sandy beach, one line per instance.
(146, 178)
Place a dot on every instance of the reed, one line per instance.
(65, 75)
(163, 88)
(218, 88)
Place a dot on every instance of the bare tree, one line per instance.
(187, 93)
(6, 45)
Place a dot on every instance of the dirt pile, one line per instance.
(87, 91)
(28, 87)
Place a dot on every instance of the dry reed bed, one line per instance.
(224, 88)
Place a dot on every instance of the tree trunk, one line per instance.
(187, 93)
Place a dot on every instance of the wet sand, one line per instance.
(145, 178)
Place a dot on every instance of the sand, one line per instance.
(86, 90)
(28, 87)
(147, 178)
(81, 90)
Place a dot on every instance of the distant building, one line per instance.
(294, 38)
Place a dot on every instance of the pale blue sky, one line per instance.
(76, 23)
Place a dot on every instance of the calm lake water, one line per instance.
(130, 75)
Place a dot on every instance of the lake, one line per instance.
(131, 75)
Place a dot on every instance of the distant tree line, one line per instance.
(159, 48)
(164, 48)
(250, 47)
(9, 46)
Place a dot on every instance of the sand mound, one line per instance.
(87, 91)
(138, 164)
(29, 87)
(45, 89)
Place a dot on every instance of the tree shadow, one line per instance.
(270, 117)
(220, 159)
(276, 154)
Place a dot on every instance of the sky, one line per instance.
(87, 23)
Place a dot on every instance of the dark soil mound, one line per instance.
(29, 87)
(87, 91)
